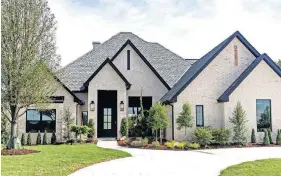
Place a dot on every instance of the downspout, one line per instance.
(77, 113)
(173, 135)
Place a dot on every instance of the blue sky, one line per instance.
(189, 28)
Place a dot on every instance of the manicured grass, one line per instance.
(268, 167)
(57, 159)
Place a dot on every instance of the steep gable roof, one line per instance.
(264, 57)
(201, 64)
(128, 42)
(76, 99)
(108, 61)
(167, 64)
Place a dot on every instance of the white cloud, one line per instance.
(189, 28)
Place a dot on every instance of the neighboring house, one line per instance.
(105, 85)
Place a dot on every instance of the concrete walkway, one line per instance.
(192, 163)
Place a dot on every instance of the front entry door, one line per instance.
(107, 113)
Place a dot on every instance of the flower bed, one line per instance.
(18, 152)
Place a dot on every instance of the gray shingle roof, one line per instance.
(169, 65)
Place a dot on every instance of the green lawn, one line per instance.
(57, 159)
(268, 167)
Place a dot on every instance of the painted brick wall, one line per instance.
(262, 83)
(210, 84)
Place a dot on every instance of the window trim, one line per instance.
(197, 115)
(270, 105)
(128, 60)
(40, 121)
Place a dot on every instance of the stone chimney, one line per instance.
(95, 44)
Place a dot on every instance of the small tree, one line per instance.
(38, 140)
(28, 142)
(239, 121)
(158, 118)
(253, 137)
(79, 130)
(185, 118)
(67, 120)
(23, 139)
(270, 136)
(53, 138)
(45, 138)
(124, 127)
(266, 138)
(91, 132)
(278, 137)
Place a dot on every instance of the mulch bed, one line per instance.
(18, 152)
(163, 147)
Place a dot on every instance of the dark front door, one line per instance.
(107, 113)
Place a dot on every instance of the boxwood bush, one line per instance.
(202, 136)
(221, 136)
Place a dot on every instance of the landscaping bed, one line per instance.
(18, 152)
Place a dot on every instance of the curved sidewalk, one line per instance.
(160, 162)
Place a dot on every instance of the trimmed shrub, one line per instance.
(193, 146)
(181, 145)
(38, 140)
(170, 144)
(202, 136)
(253, 137)
(53, 138)
(155, 144)
(269, 135)
(45, 138)
(124, 127)
(23, 139)
(266, 138)
(139, 142)
(221, 136)
(28, 141)
(144, 141)
(91, 131)
(278, 138)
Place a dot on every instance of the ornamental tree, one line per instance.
(158, 118)
(28, 58)
(67, 121)
(185, 118)
(238, 120)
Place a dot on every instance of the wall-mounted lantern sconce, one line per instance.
(92, 106)
(121, 106)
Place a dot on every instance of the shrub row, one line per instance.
(38, 139)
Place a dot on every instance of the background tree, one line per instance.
(67, 121)
(158, 118)
(185, 118)
(279, 63)
(238, 120)
(28, 58)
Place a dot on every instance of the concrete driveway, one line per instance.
(192, 163)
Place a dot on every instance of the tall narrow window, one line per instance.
(263, 111)
(199, 115)
(235, 55)
(128, 60)
(85, 118)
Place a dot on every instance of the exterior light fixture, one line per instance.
(92, 106)
(121, 106)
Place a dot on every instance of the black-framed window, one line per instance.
(199, 115)
(128, 60)
(134, 105)
(263, 113)
(40, 120)
(85, 118)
